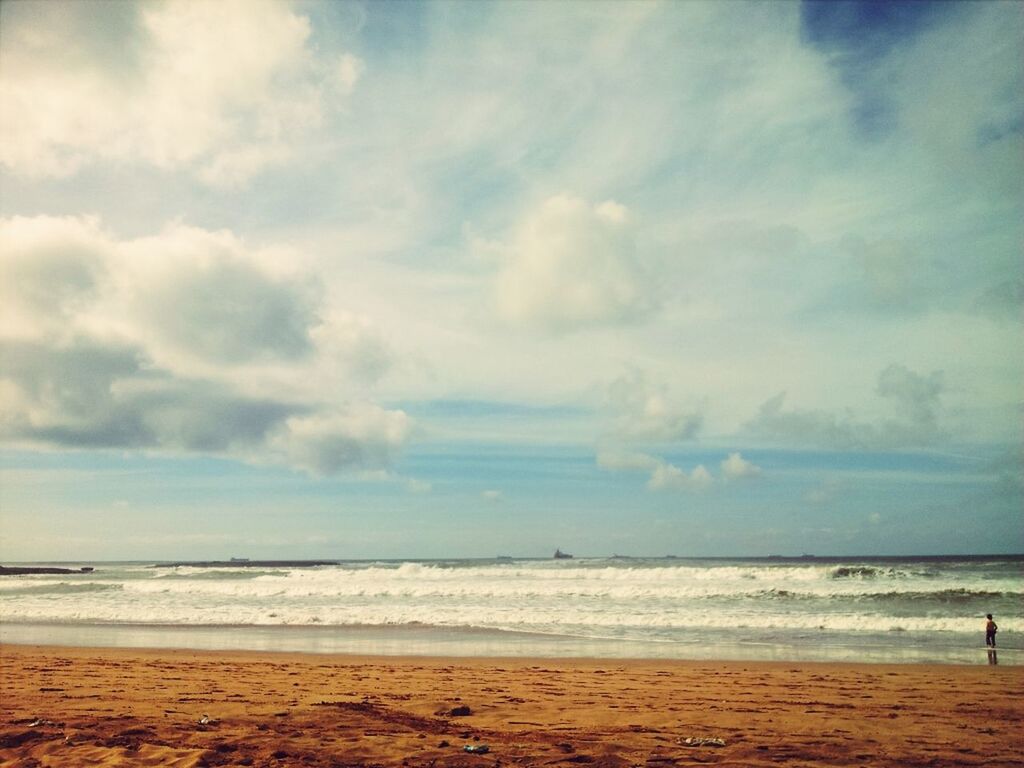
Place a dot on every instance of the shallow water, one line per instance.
(915, 609)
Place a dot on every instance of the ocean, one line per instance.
(849, 609)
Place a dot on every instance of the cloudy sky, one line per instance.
(334, 279)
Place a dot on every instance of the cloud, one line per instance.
(365, 436)
(207, 295)
(803, 425)
(574, 265)
(199, 302)
(66, 395)
(51, 268)
(662, 476)
(89, 394)
(916, 401)
(708, 200)
(231, 169)
(916, 396)
(669, 477)
(348, 71)
(354, 344)
(737, 468)
(188, 296)
(220, 89)
(857, 39)
(643, 410)
(187, 341)
(970, 71)
(206, 417)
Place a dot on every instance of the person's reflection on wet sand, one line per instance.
(992, 657)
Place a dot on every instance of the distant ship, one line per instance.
(560, 555)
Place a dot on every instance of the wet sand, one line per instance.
(109, 707)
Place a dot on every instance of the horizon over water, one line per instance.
(870, 608)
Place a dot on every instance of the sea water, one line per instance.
(914, 609)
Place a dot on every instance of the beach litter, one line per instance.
(476, 749)
(700, 741)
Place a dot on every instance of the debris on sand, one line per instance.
(697, 741)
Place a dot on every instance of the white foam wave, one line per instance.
(548, 619)
(496, 582)
(587, 599)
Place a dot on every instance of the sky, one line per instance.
(401, 279)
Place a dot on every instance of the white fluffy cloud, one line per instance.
(353, 345)
(664, 476)
(670, 477)
(737, 468)
(642, 412)
(221, 89)
(572, 265)
(187, 295)
(188, 340)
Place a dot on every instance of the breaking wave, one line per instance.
(657, 600)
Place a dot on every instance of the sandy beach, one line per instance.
(84, 706)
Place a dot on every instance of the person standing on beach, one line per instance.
(990, 632)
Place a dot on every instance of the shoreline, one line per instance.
(77, 705)
(467, 643)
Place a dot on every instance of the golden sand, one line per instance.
(112, 707)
